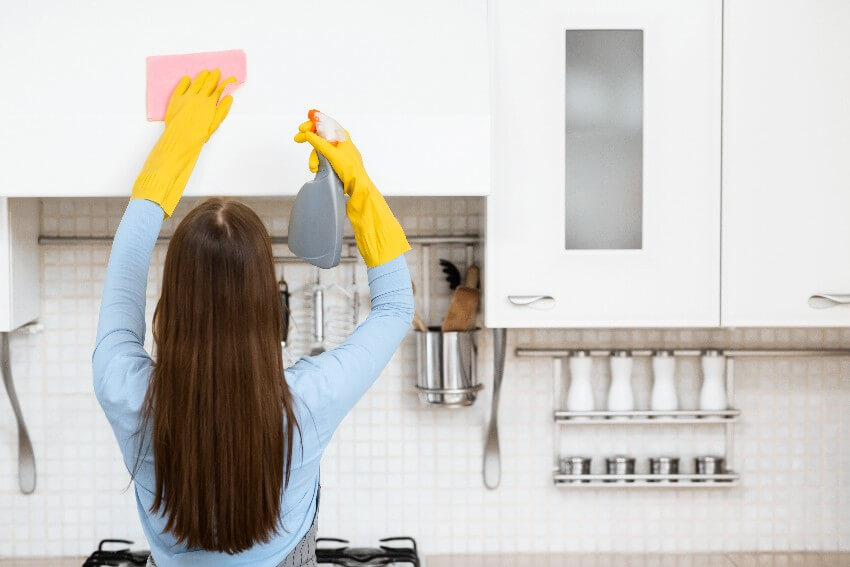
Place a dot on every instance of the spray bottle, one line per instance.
(316, 221)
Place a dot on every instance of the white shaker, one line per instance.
(620, 395)
(712, 395)
(580, 394)
(664, 396)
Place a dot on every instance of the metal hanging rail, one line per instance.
(425, 240)
(735, 353)
(418, 239)
(297, 260)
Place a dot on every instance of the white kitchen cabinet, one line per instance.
(605, 209)
(409, 81)
(786, 162)
(19, 262)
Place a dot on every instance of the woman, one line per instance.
(224, 448)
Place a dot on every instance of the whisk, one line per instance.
(344, 317)
(332, 319)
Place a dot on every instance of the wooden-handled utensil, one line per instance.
(418, 323)
(463, 309)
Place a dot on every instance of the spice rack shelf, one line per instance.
(724, 480)
(728, 418)
(647, 417)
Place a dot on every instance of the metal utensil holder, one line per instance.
(446, 373)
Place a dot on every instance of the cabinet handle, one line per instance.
(827, 300)
(533, 301)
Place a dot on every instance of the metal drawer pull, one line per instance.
(826, 300)
(533, 301)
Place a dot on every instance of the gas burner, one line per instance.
(116, 557)
(359, 556)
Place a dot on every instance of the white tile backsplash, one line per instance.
(397, 467)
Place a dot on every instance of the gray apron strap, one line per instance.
(304, 554)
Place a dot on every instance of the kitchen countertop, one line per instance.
(800, 559)
(42, 561)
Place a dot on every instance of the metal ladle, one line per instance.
(492, 469)
(26, 458)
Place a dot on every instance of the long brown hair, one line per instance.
(221, 412)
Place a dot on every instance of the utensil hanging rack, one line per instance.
(424, 239)
(727, 418)
(27, 462)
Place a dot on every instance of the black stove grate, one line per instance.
(392, 551)
(116, 557)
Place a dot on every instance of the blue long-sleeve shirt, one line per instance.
(324, 387)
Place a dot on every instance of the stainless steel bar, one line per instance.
(469, 390)
(730, 353)
(425, 284)
(746, 353)
(297, 260)
(423, 239)
(646, 418)
(646, 481)
(438, 239)
(647, 484)
(730, 399)
(601, 414)
(318, 314)
(557, 377)
(609, 477)
(646, 413)
(637, 421)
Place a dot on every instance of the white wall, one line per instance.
(396, 467)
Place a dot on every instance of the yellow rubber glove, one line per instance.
(193, 114)
(379, 235)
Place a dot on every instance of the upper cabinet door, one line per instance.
(410, 81)
(605, 208)
(786, 163)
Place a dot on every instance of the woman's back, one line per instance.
(323, 388)
(298, 500)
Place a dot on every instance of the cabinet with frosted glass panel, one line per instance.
(605, 208)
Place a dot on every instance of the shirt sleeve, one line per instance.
(120, 364)
(342, 375)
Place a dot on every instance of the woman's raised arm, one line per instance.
(194, 113)
(346, 372)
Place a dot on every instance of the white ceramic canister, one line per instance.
(580, 394)
(620, 395)
(712, 395)
(664, 396)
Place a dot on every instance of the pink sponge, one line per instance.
(165, 71)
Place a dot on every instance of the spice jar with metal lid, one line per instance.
(664, 466)
(620, 465)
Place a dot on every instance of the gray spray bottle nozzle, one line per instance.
(316, 220)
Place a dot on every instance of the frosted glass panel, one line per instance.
(604, 139)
